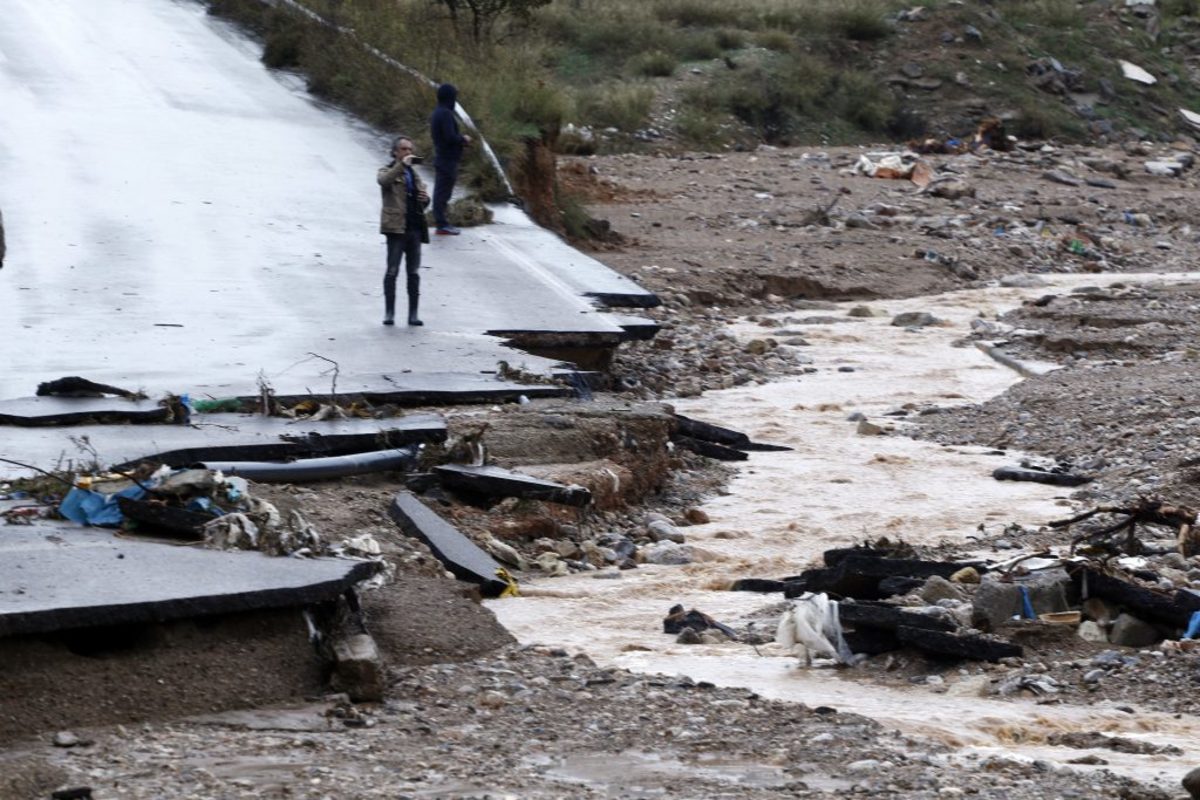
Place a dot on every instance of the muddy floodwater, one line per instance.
(834, 489)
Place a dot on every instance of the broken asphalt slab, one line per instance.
(60, 576)
(492, 481)
(231, 437)
(465, 559)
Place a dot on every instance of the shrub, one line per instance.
(1051, 14)
(698, 13)
(619, 106)
(655, 64)
(698, 46)
(698, 127)
(775, 39)
(731, 39)
(859, 98)
(862, 21)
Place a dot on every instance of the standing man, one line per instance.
(1, 240)
(448, 144)
(403, 223)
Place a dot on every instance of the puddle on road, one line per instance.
(834, 489)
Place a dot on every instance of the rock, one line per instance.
(972, 34)
(914, 319)
(689, 636)
(1129, 631)
(952, 189)
(1091, 632)
(1191, 782)
(861, 311)
(551, 564)
(66, 739)
(668, 553)
(1022, 281)
(938, 588)
(504, 553)
(1057, 176)
(756, 347)
(966, 575)
(1093, 676)
(866, 428)
(697, 516)
(1164, 169)
(661, 530)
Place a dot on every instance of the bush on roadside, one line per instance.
(775, 39)
(621, 106)
(655, 64)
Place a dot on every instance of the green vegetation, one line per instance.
(714, 74)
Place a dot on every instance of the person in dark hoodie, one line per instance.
(448, 144)
(402, 221)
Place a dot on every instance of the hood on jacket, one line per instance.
(447, 95)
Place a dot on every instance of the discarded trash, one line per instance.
(224, 404)
(1135, 73)
(1193, 628)
(88, 507)
(812, 625)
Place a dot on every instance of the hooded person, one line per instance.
(448, 145)
(402, 222)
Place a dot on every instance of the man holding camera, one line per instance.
(402, 222)
(448, 144)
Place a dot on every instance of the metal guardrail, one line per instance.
(463, 116)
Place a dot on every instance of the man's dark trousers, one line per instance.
(445, 175)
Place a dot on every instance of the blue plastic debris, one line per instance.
(1193, 627)
(95, 508)
(1027, 604)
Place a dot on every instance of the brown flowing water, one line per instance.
(836, 488)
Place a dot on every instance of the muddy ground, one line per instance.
(468, 714)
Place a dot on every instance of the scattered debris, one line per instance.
(1135, 73)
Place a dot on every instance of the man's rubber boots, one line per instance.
(389, 306)
(414, 296)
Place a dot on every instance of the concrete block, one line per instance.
(997, 602)
(358, 668)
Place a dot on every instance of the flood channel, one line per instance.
(834, 489)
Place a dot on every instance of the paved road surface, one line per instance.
(181, 219)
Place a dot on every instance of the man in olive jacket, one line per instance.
(402, 222)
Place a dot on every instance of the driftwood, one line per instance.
(1148, 604)
(862, 577)
(1146, 511)
(954, 645)
(885, 617)
(74, 386)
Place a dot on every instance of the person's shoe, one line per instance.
(448, 230)
(388, 320)
(412, 319)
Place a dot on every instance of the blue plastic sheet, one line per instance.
(1193, 626)
(94, 508)
(1026, 604)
